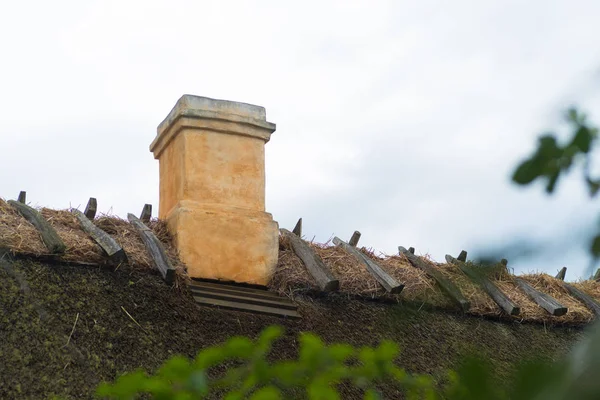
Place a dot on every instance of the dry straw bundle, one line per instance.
(17, 234)
(481, 303)
(290, 274)
(577, 314)
(80, 247)
(351, 272)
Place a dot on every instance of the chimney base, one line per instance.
(225, 243)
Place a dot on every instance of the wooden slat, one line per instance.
(22, 197)
(146, 213)
(313, 263)
(462, 256)
(247, 307)
(90, 208)
(447, 285)
(411, 250)
(584, 298)
(597, 275)
(492, 290)
(154, 248)
(232, 286)
(545, 301)
(113, 250)
(298, 228)
(226, 289)
(389, 283)
(49, 236)
(245, 299)
(354, 239)
(561, 274)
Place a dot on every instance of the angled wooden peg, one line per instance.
(146, 213)
(545, 301)
(462, 256)
(447, 286)
(411, 250)
(155, 249)
(49, 236)
(298, 228)
(597, 275)
(561, 274)
(22, 197)
(388, 282)
(492, 290)
(313, 263)
(354, 239)
(90, 208)
(113, 250)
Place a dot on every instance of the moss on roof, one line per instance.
(65, 328)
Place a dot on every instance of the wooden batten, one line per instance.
(389, 283)
(561, 274)
(583, 297)
(154, 248)
(545, 301)
(313, 263)
(90, 208)
(146, 213)
(111, 248)
(354, 239)
(49, 236)
(492, 290)
(447, 286)
(298, 228)
(22, 197)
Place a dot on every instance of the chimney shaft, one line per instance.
(212, 188)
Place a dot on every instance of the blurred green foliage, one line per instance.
(551, 160)
(320, 368)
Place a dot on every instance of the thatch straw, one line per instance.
(351, 272)
(80, 247)
(577, 314)
(590, 287)
(127, 236)
(481, 303)
(418, 286)
(17, 234)
(290, 274)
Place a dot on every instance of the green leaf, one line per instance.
(267, 393)
(595, 247)
(583, 139)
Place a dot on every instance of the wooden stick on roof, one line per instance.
(90, 208)
(49, 236)
(313, 263)
(298, 228)
(389, 283)
(111, 248)
(354, 239)
(154, 248)
(492, 290)
(146, 213)
(561, 274)
(447, 286)
(545, 301)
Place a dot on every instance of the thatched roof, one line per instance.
(291, 277)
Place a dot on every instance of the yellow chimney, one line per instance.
(212, 188)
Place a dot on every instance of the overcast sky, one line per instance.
(400, 119)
